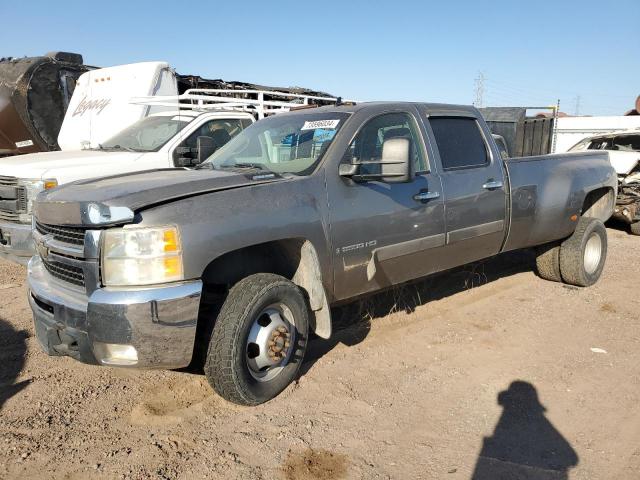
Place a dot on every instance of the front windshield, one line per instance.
(148, 134)
(282, 144)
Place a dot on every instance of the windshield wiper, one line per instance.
(233, 166)
(203, 165)
(119, 147)
(244, 165)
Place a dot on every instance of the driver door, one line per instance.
(380, 231)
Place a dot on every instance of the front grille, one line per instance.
(72, 235)
(15, 201)
(68, 273)
(22, 199)
(8, 181)
(9, 217)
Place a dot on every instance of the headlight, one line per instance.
(33, 188)
(141, 256)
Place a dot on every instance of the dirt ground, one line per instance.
(485, 373)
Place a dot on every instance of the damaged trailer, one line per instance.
(34, 95)
(624, 154)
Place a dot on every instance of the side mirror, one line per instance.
(395, 160)
(206, 147)
(393, 167)
(348, 169)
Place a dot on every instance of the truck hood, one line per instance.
(624, 162)
(68, 166)
(114, 200)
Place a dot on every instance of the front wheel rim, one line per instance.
(270, 342)
(592, 253)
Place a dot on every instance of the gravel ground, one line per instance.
(484, 373)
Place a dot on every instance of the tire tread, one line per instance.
(548, 262)
(219, 366)
(572, 254)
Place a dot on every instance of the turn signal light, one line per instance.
(50, 183)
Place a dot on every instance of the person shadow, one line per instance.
(524, 445)
(13, 350)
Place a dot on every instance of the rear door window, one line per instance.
(460, 142)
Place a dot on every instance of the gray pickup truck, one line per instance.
(240, 260)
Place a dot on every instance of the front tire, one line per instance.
(583, 254)
(635, 228)
(258, 340)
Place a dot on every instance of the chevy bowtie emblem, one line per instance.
(43, 250)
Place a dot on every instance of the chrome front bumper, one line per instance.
(16, 242)
(159, 322)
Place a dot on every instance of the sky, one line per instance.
(531, 53)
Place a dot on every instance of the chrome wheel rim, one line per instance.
(592, 253)
(270, 342)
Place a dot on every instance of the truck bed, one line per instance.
(545, 187)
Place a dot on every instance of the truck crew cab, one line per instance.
(242, 257)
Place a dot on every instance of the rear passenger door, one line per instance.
(474, 187)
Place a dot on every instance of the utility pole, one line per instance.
(554, 138)
(577, 109)
(479, 91)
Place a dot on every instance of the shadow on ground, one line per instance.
(618, 225)
(524, 445)
(352, 322)
(13, 350)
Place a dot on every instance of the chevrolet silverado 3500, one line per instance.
(242, 257)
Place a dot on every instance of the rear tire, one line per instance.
(583, 254)
(258, 340)
(635, 228)
(548, 262)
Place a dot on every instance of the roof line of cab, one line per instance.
(353, 108)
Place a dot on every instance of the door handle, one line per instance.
(425, 196)
(492, 185)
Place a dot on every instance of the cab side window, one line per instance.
(460, 142)
(219, 131)
(367, 145)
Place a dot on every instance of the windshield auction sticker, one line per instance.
(320, 124)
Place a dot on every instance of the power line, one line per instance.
(552, 91)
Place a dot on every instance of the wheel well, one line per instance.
(599, 203)
(295, 259)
